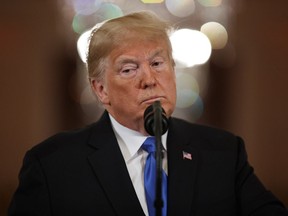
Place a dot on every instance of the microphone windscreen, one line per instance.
(149, 121)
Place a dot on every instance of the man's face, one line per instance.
(136, 75)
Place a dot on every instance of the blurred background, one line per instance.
(232, 73)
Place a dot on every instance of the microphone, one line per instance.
(151, 115)
(156, 124)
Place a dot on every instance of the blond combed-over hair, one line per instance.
(113, 33)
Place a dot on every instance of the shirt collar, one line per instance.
(132, 139)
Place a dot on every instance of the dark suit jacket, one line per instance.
(83, 173)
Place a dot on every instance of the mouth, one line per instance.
(151, 100)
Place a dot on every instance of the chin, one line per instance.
(168, 109)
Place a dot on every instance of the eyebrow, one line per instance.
(157, 52)
(132, 59)
(125, 59)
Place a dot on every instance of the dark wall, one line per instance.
(250, 97)
(35, 61)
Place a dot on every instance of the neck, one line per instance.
(139, 127)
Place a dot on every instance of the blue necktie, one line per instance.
(150, 178)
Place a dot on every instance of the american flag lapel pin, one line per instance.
(187, 155)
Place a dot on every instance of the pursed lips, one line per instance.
(150, 100)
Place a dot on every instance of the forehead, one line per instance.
(139, 49)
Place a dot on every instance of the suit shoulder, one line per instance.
(211, 135)
(201, 129)
(63, 141)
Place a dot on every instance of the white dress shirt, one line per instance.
(130, 142)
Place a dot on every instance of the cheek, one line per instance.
(121, 92)
(169, 82)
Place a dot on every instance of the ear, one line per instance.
(100, 90)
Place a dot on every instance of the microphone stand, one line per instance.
(158, 132)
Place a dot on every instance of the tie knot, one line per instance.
(149, 145)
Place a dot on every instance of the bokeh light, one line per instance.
(197, 109)
(187, 90)
(216, 33)
(192, 113)
(190, 47)
(152, 1)
(82, 22)
(210, 3)
(109, 11)
(181, 8)
(86, 7)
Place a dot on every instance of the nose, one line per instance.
(148, 78)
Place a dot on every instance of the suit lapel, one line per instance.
(182, 168)
(110, 169)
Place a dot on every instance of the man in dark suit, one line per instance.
(99, 170)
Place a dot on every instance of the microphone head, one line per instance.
(149, 119)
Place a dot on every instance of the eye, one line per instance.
(128, 70)
(158, 63)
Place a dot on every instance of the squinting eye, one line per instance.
(128, 71)
(157, 63)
